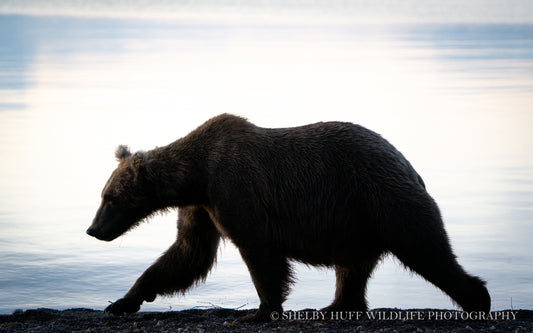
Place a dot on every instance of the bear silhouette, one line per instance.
(329, 194)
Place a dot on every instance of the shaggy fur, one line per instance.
(330, 194)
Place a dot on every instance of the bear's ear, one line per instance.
(122, 152)
(142, 165)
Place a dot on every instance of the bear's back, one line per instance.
(321, 158)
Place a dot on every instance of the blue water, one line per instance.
(454, 98)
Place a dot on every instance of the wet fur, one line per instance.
(330, 194)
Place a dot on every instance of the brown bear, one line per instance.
(329, 194)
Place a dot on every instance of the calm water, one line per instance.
(456, 99)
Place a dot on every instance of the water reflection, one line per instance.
(454, 98)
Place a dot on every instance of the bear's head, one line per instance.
(127, 197)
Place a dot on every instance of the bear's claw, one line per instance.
(122, 306)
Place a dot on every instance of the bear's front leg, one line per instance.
(146, 287)
(188, 260)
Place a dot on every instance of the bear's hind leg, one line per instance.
(351, 286)
(425, 248)
(187, 261)
(271, 275)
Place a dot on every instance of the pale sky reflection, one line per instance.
(287, 11)
(83, 104)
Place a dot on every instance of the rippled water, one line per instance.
(454, 98)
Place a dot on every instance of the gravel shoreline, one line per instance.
(223, 320)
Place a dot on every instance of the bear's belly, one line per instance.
(329, 251)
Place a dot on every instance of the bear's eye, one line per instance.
(110, 200)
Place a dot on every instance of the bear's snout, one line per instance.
(96, 232)
(109, 223)
(101, 234)
(93, 231)
(98, 229)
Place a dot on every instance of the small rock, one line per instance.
(18, 312)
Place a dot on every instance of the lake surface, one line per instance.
(456, 99)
